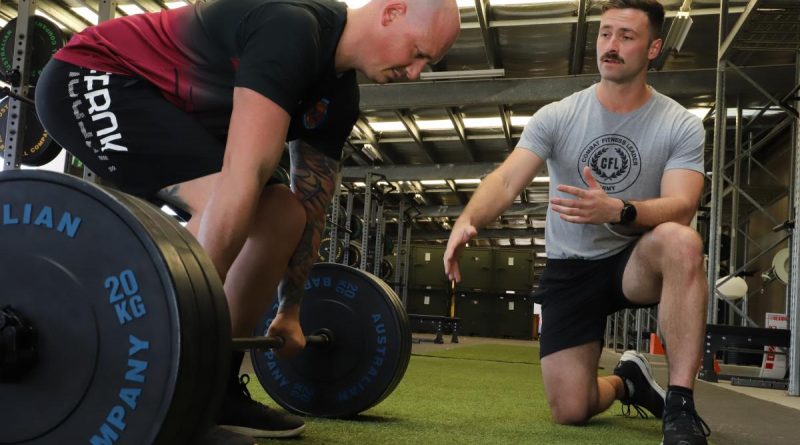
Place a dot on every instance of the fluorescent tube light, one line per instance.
(134, 9)
(460, 75)
(387, 126)
(87, 14)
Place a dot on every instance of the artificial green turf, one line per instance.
(481, 394)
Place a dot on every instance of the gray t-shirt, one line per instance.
(628, 154)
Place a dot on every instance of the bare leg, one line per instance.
(667, 263)
(254, 275)
(574, 392)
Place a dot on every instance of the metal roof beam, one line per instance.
(592, 18)
(422, 172)
(727, 46)
(676, 84)
(363, 126)
(539, 210)
(505, 118)
(408, 121)
(435, 235)
(461, 131)
(482, 8)
(579, 42)
(65, 16)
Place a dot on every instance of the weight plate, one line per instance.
(47, 39)
(356, 224)
(192, 402)
(214, 316)
(325, 251)
(387, 268)
(406, 329)
(38, 148)
(111, 337)
(354, 259)
(368, 357)
(356, 227)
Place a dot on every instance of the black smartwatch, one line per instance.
(628, 213)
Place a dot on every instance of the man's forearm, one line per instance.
(314, 177)
(652, 212)
(488, 202)
(223, 229)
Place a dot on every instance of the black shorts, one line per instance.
(124, 129)
(577, 296)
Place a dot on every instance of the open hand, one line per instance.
(590, 206)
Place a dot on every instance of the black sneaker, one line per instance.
(220, 436)
(682, 425)
(641, 389)
(242, 414)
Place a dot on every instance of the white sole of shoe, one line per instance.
(264, 434)
(644, 365)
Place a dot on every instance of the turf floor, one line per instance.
(479, 394)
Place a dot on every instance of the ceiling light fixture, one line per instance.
(434, 124)
(676, 35)
(461, 75)
(388, 126)
(87, 14)
(483, 122)
(519, 121)
(134, 9)
(468, 181)
(174, 5)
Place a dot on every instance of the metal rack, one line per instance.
(765, 25)
(626, 329)
(16, 117)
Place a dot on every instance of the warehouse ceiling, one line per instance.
(513, 57)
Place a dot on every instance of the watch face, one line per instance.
(628, 213)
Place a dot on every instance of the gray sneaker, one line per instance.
(641, 389)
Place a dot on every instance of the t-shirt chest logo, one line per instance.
(614, 160)
(316, 114)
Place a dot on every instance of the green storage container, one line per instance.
(475, 311)
(476, 269)
(427, 268)
(514, 314)
(428, 302)
(512, 270)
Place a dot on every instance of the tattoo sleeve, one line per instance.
(314, 177)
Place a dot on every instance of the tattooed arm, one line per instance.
(314, 176)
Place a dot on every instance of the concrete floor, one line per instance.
(736, 415)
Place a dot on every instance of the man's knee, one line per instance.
(679, 242)
(570, 412)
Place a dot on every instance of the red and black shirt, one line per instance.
(197, 54)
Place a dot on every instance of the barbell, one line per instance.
(321, 339)
(115, 328)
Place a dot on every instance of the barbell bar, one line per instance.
(323, 338)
